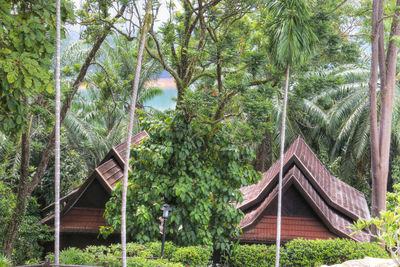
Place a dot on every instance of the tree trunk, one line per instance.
(283, 129)
(135, 87)
(19, 211)
(25, 187)
(380, 136)
(264, 153)
(57, 143)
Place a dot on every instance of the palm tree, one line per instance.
(97, 120)
(291, 42)
(135, 88)
(346, 121)
(57, 141)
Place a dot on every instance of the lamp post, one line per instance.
(166, 209)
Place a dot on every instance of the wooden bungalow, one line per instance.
(315, 204)
(83, 208)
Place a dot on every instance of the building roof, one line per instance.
(336, 203)
(108, 173)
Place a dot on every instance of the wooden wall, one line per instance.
(298, 220)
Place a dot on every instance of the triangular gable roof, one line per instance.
(335, 193)
(108, 173)
(336, 222)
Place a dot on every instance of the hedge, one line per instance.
(137, 253)
(300, 252)
(192, 256)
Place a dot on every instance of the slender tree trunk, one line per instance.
(373, 81)
(381, 127)
(283, 130)
(26, 187)
(135, 88)
(57, 143)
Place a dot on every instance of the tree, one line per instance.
(98, 117)
(197, 42)
(291, 42)
(57, 140)
(333, 49)
(34, 68)
(135, 88)
(381, 121)
(196, 171)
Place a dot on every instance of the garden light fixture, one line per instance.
(166, 209)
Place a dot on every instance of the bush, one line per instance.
(193, 256)
(253, 255)
(140, 262)
(4, 261)
(207, 164)
(74, 256)
(300, 252)
(154, 248)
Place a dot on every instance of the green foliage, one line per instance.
(138, 255)
(140, 262)
(393, 198)
(291, 34)
(253, 255)
(97, 118)
(27, 37)
(198, 170)
(154, 249)
(31, 234)
(387, 228)
(150, 249)
(300, 252)
(4, 261)
(74, 256)
(192, 256)
(296, 253)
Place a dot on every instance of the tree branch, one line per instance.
(160, 57)
(67, 103)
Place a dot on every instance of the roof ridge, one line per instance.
(306, 146)
(301, 154)
(289, 176)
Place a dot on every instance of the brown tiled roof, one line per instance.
(336, 203)
(336, 193)
(336, 222)
(117, 152)
(109, 172)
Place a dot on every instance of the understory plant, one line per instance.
(4, 261)
(198, 169)
(386, 228)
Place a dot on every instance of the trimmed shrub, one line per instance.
(140, 262)
(113, 261)
(300, 252)
(253, 255)
(154, 248)
(192, 256)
